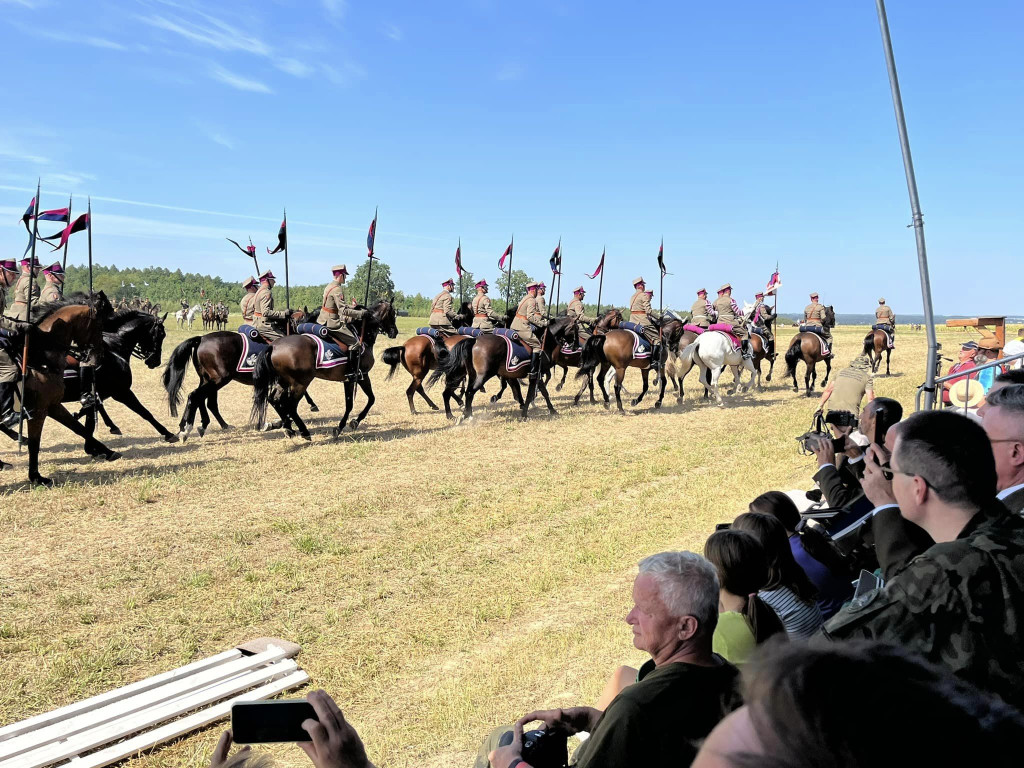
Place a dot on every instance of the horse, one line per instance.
(760, 352)
(712, 351)
(74, 321)
(615, 350)
(874, 344)
(129, 333)
(186, 316)
(290, 365)
(417, 355)
(215, 356)
(479, 359)
(806, 346)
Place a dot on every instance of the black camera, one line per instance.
(808, 438)
(542, 749)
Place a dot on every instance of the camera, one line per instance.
(808, 439)
(542, 749)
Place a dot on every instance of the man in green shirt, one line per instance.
(681, 692)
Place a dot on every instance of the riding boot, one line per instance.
(656, 356)
(8, 416)
(745, 349)
(535, 358)
(85, 380)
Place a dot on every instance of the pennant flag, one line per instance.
(505, 255)
(458, 261)
(57, 214)
(79, 224)
(773, 282)
(29, 212)
(282, 241)
(555, 262)
(370, 237)
(661, 259)
(28, 247)
(249, 250)
(599, 267)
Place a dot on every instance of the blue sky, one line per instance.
(744, 133)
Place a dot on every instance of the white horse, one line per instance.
(184, 317)
(711, 352)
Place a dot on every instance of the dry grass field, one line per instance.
(439, 579)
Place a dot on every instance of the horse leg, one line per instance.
(620, 374)
(129, 399)
(107, 421)
(93, 447)
(364, 384)
(807, 378)
(531, 393)
(214, 405)
(716, 375)
(828, 372)
(771, 367)
(645, 375)
(600, 382)
(565, 372)
(313, 407)
(888, 354)
(292, 401)
(349, 398)
(757, 372)
(188, 418)
(501, 390)
(35, 431)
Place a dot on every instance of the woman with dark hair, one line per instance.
(824, 567)
(744, 620)
(788, 591)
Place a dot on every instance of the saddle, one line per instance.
(516, 355)
(433, 333)
(693, 329)
(328, 354)
(465, 330)
(252, 333)
(626, 325)
(812, 328)
(313, 329)
(252, 347)
(509, 335)
(642, 348)
(887, 330)
(727, 330)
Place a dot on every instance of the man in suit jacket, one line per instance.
(1003, 418)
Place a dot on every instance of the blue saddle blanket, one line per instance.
(641, 346)
(314, 329)
(760, 331)
(248, 330)
(882, 327)
(431, 332)
(812, 328)
(634, 327)
(251, 349)
(328, 354)
(509, 334)
(465, 330)
(516, 355)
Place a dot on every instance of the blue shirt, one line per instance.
(832, 590)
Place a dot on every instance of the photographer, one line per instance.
(681, 694)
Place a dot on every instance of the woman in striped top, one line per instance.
(788, 591)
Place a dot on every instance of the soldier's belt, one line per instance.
(329, 311)
(522, 317)
(482, 317)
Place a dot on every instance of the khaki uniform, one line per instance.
(761, 316)
(700, 313)
(246, 306)
(9, 372)
(441, 314)
(527, 313)
(729, 312)
(851, 384)
(263, 312)
(484, 317)
(50, 293)
(884, 314)
(335, 312)
(542, 306)
(576, 308)
(815, 314)
(19, 307)
(640, 312)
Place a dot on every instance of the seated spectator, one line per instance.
(1015, 347)
(744, 620)
(961, 601)
(964, 363)
(682, 691)
(789, 592)
(986, 376)
(830, 580)
(1003, 418)
(860, 705)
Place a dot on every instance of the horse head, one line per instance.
(561, 326)
(830, 317)
(608, 320)
(466, 313)
(153, 350)
(384, 314)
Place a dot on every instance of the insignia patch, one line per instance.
(250, 361)
(514, 361)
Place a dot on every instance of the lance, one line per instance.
(775, 310)
(459, 251)
(24, 354)
(253, 252)
(508, 289)
(92, 378)
(558, 279)
(68, 241)
(287, 287)
(369, 270)
(600, 282)
(661, 285)
(89, 230)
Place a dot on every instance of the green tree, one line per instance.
(381, 284)
(468, 291)
(497, 292)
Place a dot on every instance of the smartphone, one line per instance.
(262, 722)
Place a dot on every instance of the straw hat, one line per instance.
(966, 393)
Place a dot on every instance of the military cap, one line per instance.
(725, 287)
(449, 281)
(637, 281)
(759, 293)
(649, 293)
(29, 260)
(814, 294)
(268, 275)
(9, 265)
(531, 285)
(54, 269)
(580, 289)
(249, 281)
(339, 268)
(541, 285)
(702, 290)
(881, 301)
(481, 284)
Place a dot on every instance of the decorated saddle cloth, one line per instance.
(508, 333)
(726, 328)
(812, 328)
(314, 329)
(465, 330)
(693, 328)
(251, 349)
(328, 354)
(642, 348)
(252, 333)
(886, 329)
(516, 355)
(761, 331)
(569, 348)
(431, 332)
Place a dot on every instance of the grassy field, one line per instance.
(439, 579)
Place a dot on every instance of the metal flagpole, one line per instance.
(600, 283)
(24, 353)
(67, 242)
(508, 290)
(915, 207)
(459, 251)
(369, 271)
(287, 287)
(254, 259)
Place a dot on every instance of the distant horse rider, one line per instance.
(641, 313)
(542, 303)
(527, 316)
(702, 311)
(484, 317)
(814, 314)
(576, 308)
(263, 308)
(886, 319)
(729, 312)
(336, 311)
(762, 317)
(54, 288)
(19, 307)
(184, 303)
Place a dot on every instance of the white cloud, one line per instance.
(22, 3)
(227, 77)
(213, 32)
(11, 151)
(344, 75)
(335, 9)
(65, 37)
(392, 32)
(511, 70)
(215, 135)
(294, 67)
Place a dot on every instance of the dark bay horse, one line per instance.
(215, 357)
(479, 359)
(284, 371)
(875, 343)
(615, 350)
(759, 352)
(807, 347)
(73, 323)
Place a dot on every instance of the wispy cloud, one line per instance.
(511, 70)
(22, 3)
(227, 77)
(335, 9)
(392, 32)
(215, 135)
(14, 152)
(345, 74)
(209, 31)
(294, 67)
(65, 37)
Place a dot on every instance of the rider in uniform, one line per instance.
(814, 314)
(54, 288)
(761, 317)
(885, 316)
(8, 274)
(9, 372)
(641, 313)
(441, 314)
(336, 311)
(527, 316)
(576, 308)
(246, 304)
(19, 307)
(702, 310)
(484, 317)
(729, 312)
(542, 304)
(263, 308)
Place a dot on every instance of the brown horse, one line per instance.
(284, 371)
(615, 350)
(875, 343)
(759, 353)
(807, 347)
(477, 360)
(74, 322)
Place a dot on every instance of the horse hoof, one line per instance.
(306, 436)
(112, 456)
(314, 409)
(558, 388)
(183, 436)
(494, 398)
(228, 428)
(335, 433)
(289, 431)
(115, 431)
(658, 404)
(435, 408)
(41, 481)
(635, 402)
(171, 438)
(354, 426)
(201, 431)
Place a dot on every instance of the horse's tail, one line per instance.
(174, 371)
(263, 378)
(392, 356)
(454, 364)
(793, 356)
(869, 343)
(593, 354)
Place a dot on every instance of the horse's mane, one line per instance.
(123, 317)
(42, 311)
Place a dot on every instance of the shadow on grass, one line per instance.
(112, 474)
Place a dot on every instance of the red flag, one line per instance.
(505, 255)
(555, 262)
(371, 237)
(282, 240)
(599, 267)
(29, 213)
(458, 261)
(661, 259)
(79, 224)
(773, 282)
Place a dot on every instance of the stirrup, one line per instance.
(11, 418)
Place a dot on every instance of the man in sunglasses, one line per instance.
(960, 603)
(1003, 419)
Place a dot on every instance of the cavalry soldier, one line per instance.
(8, 274)
(641, 313)
(762, 317)
(184, 303)
(484, 317)
(9, 372)
(19, 307)
(702, 310)
(246, 304)
(729, 312)
(576, 308)
(263, 308)
(542, 304)
(814, 314)
(527, 316)
(54, 288)
(336, 311)
(885, 316)
(441, 314)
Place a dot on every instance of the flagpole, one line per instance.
(287, 287)
(24, 355)
(89, 230)
(369, 271)
(459, 267)
(600, 283)
(67, 242)
(511, 256)
(255, 260)
(775, 310)
(558, 278)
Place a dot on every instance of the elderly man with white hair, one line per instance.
(1003, 419)
(681, 692)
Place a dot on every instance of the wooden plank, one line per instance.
(47, 718)
(139, 702)
(140, 721)
(173, 730)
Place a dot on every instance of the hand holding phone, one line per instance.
(265, 722)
